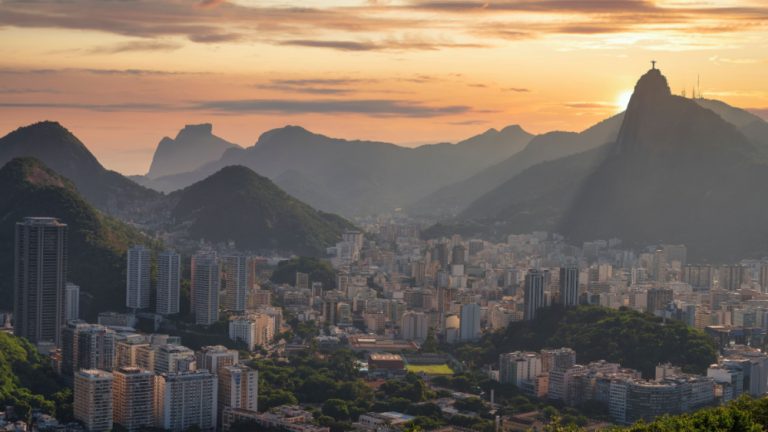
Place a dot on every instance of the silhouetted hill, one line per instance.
(678, 173)
(193, 147)
(360, 176)
(239, 205)
(752, 126)
(304, 189)
(59, 149)
(97, 243)
(456, 197)
(537, 198)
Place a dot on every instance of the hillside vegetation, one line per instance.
(633, 339)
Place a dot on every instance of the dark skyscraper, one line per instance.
(659, 298)
(569, 286)
(40, 272)
(534, 293)
(457, 255)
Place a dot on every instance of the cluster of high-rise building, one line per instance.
(555, 375)
(138, 287)
(168, 386)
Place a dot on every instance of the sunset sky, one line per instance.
(123, 74)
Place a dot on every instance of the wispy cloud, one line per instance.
(590, 105)
(384, 45)
(134, 46)
(118, 107)
(467, 122)
(316, 86)
(23, 90)
(369, 107)
(304, 89)
(124, 72)
(737, 61)
(210, 3)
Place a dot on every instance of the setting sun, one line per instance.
(622, 100)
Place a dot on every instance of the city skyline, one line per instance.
(440, 71)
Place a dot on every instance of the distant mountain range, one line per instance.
(669, 169)
(357, 177)
(454, 198)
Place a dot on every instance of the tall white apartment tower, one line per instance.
(469, 327)
(168, 283)
(205, 288)
(137, 286)
(234, 271)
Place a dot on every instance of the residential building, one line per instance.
(569, 286)
(238, 388)
(186, 399)
(414, 326)
(469, 325)
(40, 274)
(205, 288)
(71, 302)
(168, 283)
(534, 293)
(173, 358)
(133, 398)
(137, 286)
(234, 270)
(93, 399)
(215, 357)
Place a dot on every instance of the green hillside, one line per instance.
(236, 204)
(27, 380)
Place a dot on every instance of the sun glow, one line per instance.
(622, 100)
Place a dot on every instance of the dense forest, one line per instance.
(742, 415)
(28, 382)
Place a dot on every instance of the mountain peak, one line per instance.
(287, 132)
(513, 129)
(32, 171)
(194, 146)
(651, 86)
(45, 124)
(235, 203)
(195, 130)
(45, 129)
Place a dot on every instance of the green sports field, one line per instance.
(440, 369)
